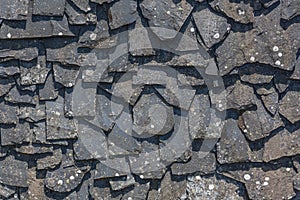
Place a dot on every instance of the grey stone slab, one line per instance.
(32, 113)
(78, 17)
(199, 164)
(51, 161)
(35, 186)
(82, 5)
(255, 74)
(5, 191)
(211, 33)
(8, 114)
(11, 135)
(48, 91)
(171, 189)
(6, 85)
(167, 17)
(33, 149)
(110, 168)
(13, 172)
(58, 126)
(122, 13)
(122, 182)
(151, 116)
(35, 29)
(270, 101)
(289, 107)
(14, 10)
(46, 8)
(290, 9)
(232, 146)
(241, 12)
(9, 68)
(63, 179)
(139, 192)
(25, 54)
(65, 75)
(17, 96)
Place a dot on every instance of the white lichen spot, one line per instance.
(8, 35)
(278, 62)
(93, 36)
(60, 33)
(265, 183)
(79, 171)
(152, 126)
(267, 178)
(288, 169)
(129, 198)
(117, 174)
(252, 58)
(192, 29)
(141, 176)
(211, 186)
(257, 182)
(241, 12)
(247, 177)
(60, 182)
(275, 48)
(168, 12)
(217, 36)
(72, 177)
(280, 54)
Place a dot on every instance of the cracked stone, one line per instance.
(167, 17)
(78, 17)
(289, 106)
(122, 13)
(50, 162)
(17, 134)
(17, 96)
(152, 116)
(14, 10)
(6, 85)
(65, 75)
(211, 33)
(8, 114)
(270, 101)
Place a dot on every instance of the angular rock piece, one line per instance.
(6, 85)
(50, 162)
(122, 13)
(110, 168)
(14, 10)
(151, 75)
(11, 135)
(13, 172)
(171, 189)
(211, 33)
(58, 126)
(65, 75)
(63, 179)
(211, 188)
(232, 146)
(25, 54)
(17, 96)
(199, 164)
(8, 114)
(49, 8)
(35, 185)
(282, 144)
(257, 124)
(152, 116)
(290, 9)
(241, 12)
(255, 74)
(139, 192)
(266, 184)
(82, 5)
(34, 73)
(77, 17)
(270, 100)
(9, 68)
(289, 106)
(35, 29)
(167, 15)
(33, 113)
(48, 90)
(5, 191)
(122, 182)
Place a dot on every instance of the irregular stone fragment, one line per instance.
(17, 96)
(63, 179)
(5, 191)
(255, 74)
(50, 162)
(110, 168)
(101, 1)
(82, 5)
(25, 54)
(296, 73)
(92, 142)
(151, 75)
(14, 10)
(34, 149)
(13, 172)
(34, 73)
(102, 189)
(58, 126)
(122, 13)
(11, 135)
(189, 77)
(46, 8)
(211, 33)
(83, 192)
(240, 96)
(270, 101)
(165, 17)
(171, 189)
(152, 116)
(266, 184)
(78, 17)
(257, 124)
(6, 85)
(65, 75)
(240, 12)
(289, 106)
(199, 164)
(122, 182)
(290, 9)
(211, 188)
(9, 68)
(35, 29)
(8, 114)
(97, 73)
(139, 192)
(282, 144)
(232, 146)
(33, 113)
(48, 90)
